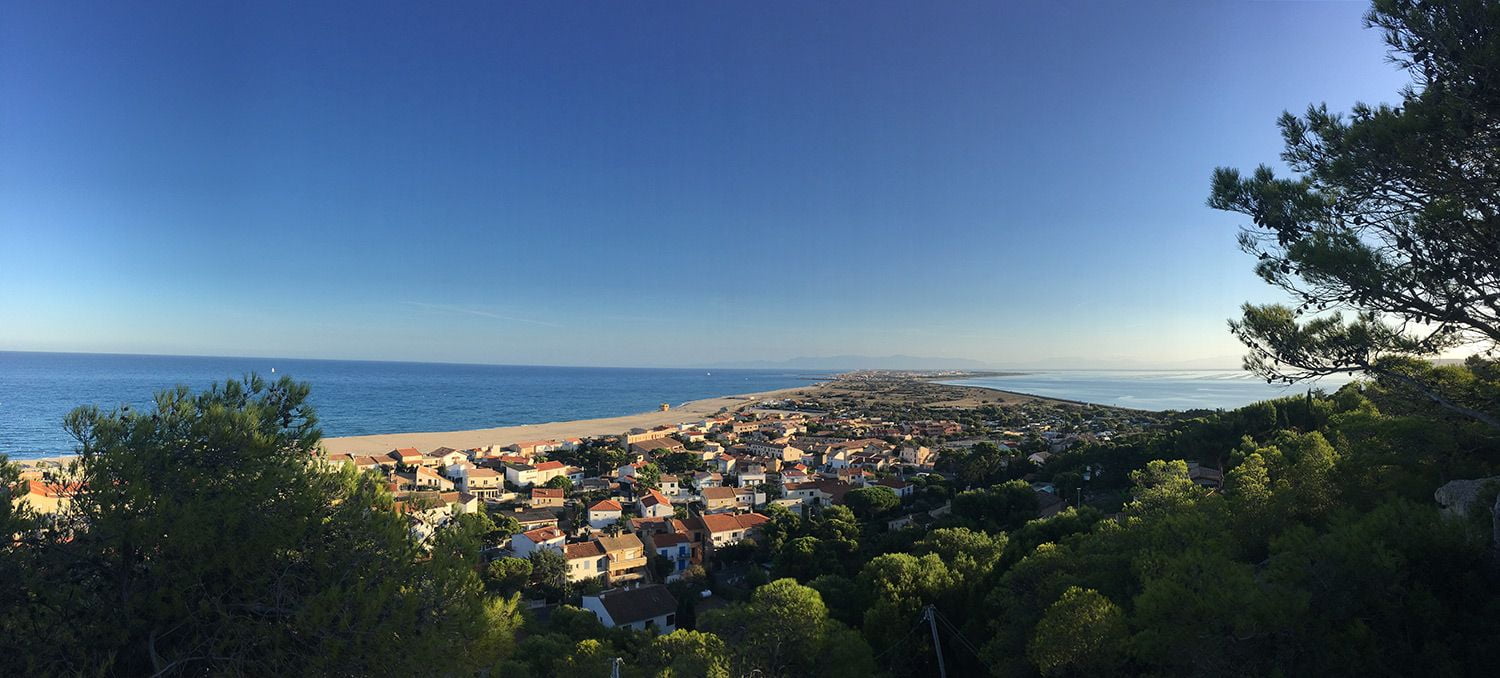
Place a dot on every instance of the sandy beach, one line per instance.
(505, 435)
(381, 443)
(907, 392)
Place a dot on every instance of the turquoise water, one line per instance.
(1151, 389)
(355, 397)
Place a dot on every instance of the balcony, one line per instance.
(618, 564)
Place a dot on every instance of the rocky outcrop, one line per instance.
(1461, 498)
(1458, 498)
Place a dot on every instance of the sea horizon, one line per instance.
(368, 397)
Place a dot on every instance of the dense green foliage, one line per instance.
(209, 542)
(1322, 553)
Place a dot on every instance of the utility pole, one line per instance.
(930, 612)
(614, 667)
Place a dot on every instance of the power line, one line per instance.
(903, 640)
(962, 639)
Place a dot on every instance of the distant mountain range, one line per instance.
(907, 362)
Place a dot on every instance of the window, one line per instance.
(672, 620)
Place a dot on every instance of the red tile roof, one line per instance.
(53, 490)
(711, 493)
(542, 534)
(653, 497)
(607, 505)
(588, 549)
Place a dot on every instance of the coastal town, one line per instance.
(623, 520)
(628, 523)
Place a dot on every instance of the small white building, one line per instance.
(605, 513)
(646, 607)
(524, 543)
(654, 504)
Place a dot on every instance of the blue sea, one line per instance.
(356, 397)
(1151, 389)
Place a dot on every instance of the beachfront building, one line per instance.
(444, 457)
(653, 504)
(645, 607)
(406, 455)
(47, 497)
(605, 513)
(424, 478)
(481, 482)
(526, 475)
(523, 544)
(537, 448)
(365, 462)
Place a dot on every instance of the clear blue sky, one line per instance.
(657, 183)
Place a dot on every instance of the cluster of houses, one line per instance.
(632, 533)
(632, 530)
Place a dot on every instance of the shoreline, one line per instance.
(380, 443)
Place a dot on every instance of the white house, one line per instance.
(605, 513)
(526, 475)
(752, 475)
(638, 608)
(445, 456)
(586, 561)
(524, 543)
(654, 504)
